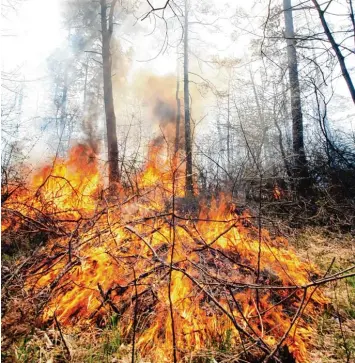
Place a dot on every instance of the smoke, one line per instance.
(157, 94)
(164, 111)
(93, 115)
(89, 130)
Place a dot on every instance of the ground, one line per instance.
(335, 339)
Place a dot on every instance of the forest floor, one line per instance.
(334, 340)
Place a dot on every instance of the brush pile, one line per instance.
(183, 282)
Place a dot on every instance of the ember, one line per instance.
(180, 283)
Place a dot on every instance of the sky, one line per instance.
(30, 32)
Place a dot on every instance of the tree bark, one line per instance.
(188, 142)
(301, 174)
(112, 146)
(228, 128)
(86, 66)
(178, 112)
(336, 49)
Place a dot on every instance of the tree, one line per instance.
(178, 111)
(335, 45)
(112, 146)
(64, 113)
(184, 14)
(300, 162)
(188, 144)
(92, 25)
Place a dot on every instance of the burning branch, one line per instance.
(178, 279)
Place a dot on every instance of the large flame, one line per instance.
(173, 274)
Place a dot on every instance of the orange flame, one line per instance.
(187, 280)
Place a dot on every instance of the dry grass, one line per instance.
(335, 339)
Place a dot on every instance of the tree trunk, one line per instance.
(178, 112)
(261, 119)
(188, 144)
(300, 162)
(228, 129)
(85, 85)
(336, 49)
(61, 114)
(112, 147)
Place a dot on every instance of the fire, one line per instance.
(67, 189)
(175, 278)
(278, 192)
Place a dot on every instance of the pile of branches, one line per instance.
(244, 292)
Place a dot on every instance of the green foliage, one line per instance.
(114, 319)
(112, 344)
(331, 339)
(350, 309)
(344, 347)
(27, 352)
(226, 343)
(113, 338)
(351, 281)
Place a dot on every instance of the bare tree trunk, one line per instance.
(64, 131)
(61, 113)
(188, 144)
(63, 116)
(352, 16)
(219, 130)
(178, 111)
(261, 118)
(107, 30)
(85, 85)
(282, 149)
(300, 161)
(228, 129)
(336, 49)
